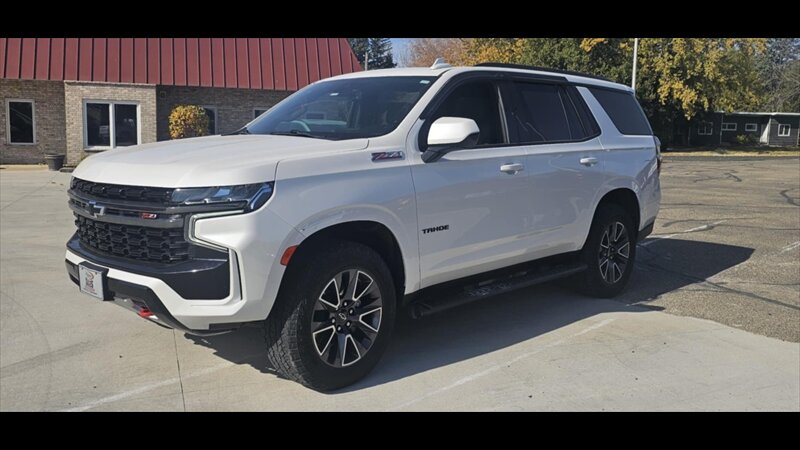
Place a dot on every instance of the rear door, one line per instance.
(631, 153)
(565, 163)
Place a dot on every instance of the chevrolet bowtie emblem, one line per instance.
(95, 210)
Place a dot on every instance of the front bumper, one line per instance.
(144, 301)
(140, 292)
(254, 241)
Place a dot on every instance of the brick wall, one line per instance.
(48, 112)
(234, 106)
(75, 92)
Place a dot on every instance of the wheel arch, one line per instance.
(373, 234)
(624, 198)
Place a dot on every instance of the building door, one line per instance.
(765, 133)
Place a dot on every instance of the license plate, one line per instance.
(91, 282)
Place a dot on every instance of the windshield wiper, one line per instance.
(242, 130)
(296, 133)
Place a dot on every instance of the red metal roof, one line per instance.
(254, 63)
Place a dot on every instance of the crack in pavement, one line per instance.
(790, 200)
(178, 363)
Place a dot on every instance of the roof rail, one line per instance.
(543, 69)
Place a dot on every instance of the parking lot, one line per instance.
(710, 321)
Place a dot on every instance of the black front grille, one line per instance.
(154, 195)
(163, 245)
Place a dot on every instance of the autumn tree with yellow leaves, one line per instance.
(695, 75)
(678, 78)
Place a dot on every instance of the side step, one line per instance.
(436, 302)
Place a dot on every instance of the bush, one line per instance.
(745, 139)
(188, 121)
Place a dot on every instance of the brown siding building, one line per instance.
(76, 96)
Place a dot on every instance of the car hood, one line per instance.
(204, 161)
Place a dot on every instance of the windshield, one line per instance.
(344, 109)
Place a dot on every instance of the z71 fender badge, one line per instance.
(387, 156)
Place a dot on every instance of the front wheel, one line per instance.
(334, 319)
(609, 253)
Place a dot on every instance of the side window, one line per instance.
(576, 132)
(476, 100)
(211, 112)
(624, 111)
(546, 114)
(590, 125)
(20, 116)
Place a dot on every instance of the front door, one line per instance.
(472, 204)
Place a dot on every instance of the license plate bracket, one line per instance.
(94, 281)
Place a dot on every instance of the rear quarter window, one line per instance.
(624, 111)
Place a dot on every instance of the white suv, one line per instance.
(420, 187)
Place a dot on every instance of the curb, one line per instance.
(728, 158)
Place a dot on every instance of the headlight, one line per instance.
(248, 197)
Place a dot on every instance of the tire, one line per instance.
(609, 253)
(318, 342)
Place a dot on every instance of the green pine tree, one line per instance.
(379, 49)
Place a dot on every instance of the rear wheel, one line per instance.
(333, 321)
(609, 253)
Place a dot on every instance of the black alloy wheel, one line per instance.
(347, 318)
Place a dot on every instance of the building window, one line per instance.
(211, 112)
(258, 111)
(784, 129)
(751, 127)
(110, 124)
(705, 129)
(728, 126)
(21, 122)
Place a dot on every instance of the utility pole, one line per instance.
(635, 51)
(366, 57)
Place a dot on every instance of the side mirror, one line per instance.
(448, 134)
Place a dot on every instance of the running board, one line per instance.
(432, 304)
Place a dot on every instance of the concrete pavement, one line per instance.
(539, 349)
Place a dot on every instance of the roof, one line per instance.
(429, 72)
(254, 63)
(397, 72)
(745, 113)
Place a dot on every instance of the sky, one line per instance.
(399, 47)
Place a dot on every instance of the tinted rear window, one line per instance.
(624, 111)
(545, 119)
(546, 113)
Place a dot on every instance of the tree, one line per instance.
(779, 72)
(611, 61)
(188, 121)
(678, 78)
(379, 50)
(702, 74)
(422, 52)
(692, 75)
(501, 50)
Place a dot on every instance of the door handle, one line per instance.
(590, 161)
(512, 169)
